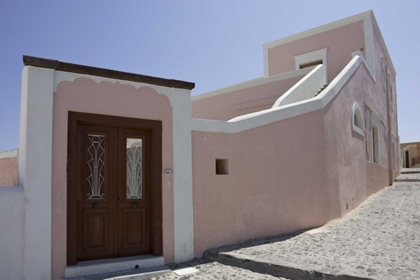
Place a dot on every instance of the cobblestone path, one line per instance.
(378, 240)
(213, 270)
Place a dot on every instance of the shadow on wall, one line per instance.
(9, 170)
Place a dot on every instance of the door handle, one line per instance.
(134, 205)
(95, 206)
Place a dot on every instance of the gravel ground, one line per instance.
(215, 270)
(378, 240)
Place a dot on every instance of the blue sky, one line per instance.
(212, 43)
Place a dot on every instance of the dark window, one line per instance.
(222, 167)
(310, 64)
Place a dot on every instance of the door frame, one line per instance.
(75, 118)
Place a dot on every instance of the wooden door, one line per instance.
(96, 192)
(134, 203)
(114, 188)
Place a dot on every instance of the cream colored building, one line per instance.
(411, 154)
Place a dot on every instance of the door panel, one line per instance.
(95, 231)
(95, 195)
(113, 187)
(134, 201)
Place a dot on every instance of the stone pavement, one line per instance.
(410, 170)
(409, 175)
(214, 270)
(378, 240)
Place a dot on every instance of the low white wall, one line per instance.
(305, 89)
(9, 154)
(12, 209)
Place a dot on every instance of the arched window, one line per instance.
(358, 124)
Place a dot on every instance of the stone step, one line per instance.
(410, 170)
(408, 177)
(132, 274)
(226, 255)
(95, 267)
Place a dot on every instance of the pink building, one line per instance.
(118, 170)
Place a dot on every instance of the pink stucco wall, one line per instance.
(377, 177)
(85, 95)
(341, 42)
(380, 52)
(292, 174)
(9, 173)
(265, 192)
(240, 102)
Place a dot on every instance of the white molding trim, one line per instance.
(360, 119)
(61, 76)
(35, 158)
(272, 115)
(35, 169)
(369, 22)
(371, 72)
(305, 88)
(88, 268)
(253, 83)
(183, 189)
(266, 63)
(180, 100)
(382, 42)
(374, 120)
(319, 29)
(9, 154)
(312, 56)
(369, 45)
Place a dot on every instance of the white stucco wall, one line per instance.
(12, 207)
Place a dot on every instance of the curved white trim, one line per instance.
(35, 158)
(60, 76)
(304, 89)
(272, 115)
(360, 119)
(254, 82)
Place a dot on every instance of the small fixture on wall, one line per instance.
(362, 49)
(222, 167)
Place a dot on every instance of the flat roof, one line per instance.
(102, 72)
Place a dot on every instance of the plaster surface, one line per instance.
(240, 102)
(341, 42)
(12, 208)
(379, 240)
(107, 98)
(264, 192)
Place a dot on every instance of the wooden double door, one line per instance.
(114, 187)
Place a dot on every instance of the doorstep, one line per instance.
(112, 265)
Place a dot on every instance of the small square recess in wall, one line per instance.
(222, 167)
